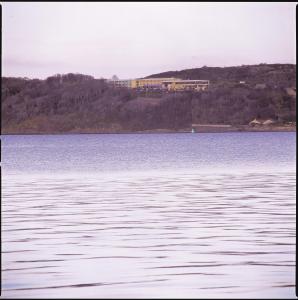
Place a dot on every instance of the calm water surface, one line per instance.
(155, 215)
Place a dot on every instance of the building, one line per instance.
(121, 83)
(167, 84)
(186, 85)
(150, 83)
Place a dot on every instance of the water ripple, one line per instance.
(238, 230)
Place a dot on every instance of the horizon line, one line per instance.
(205, 66)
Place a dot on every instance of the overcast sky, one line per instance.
(138, 39)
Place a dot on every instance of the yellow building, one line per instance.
(170, 84)
(186, 85)
(150, 82)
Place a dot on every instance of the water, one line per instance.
(155, 215)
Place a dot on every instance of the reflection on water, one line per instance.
(181, 235)
(136, 216)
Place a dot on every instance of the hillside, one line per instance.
(273, 75)
(79, 103)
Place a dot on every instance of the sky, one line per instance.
(134, 40)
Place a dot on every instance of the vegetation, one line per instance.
(80, 103)
(272, 75)
(238, 105)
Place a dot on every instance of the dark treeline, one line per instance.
(240, 104)
(80, 103)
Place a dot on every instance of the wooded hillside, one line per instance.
(80, 103)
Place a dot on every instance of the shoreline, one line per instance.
(206, 128)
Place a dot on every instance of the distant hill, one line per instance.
(279, 75)
(79, 103)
